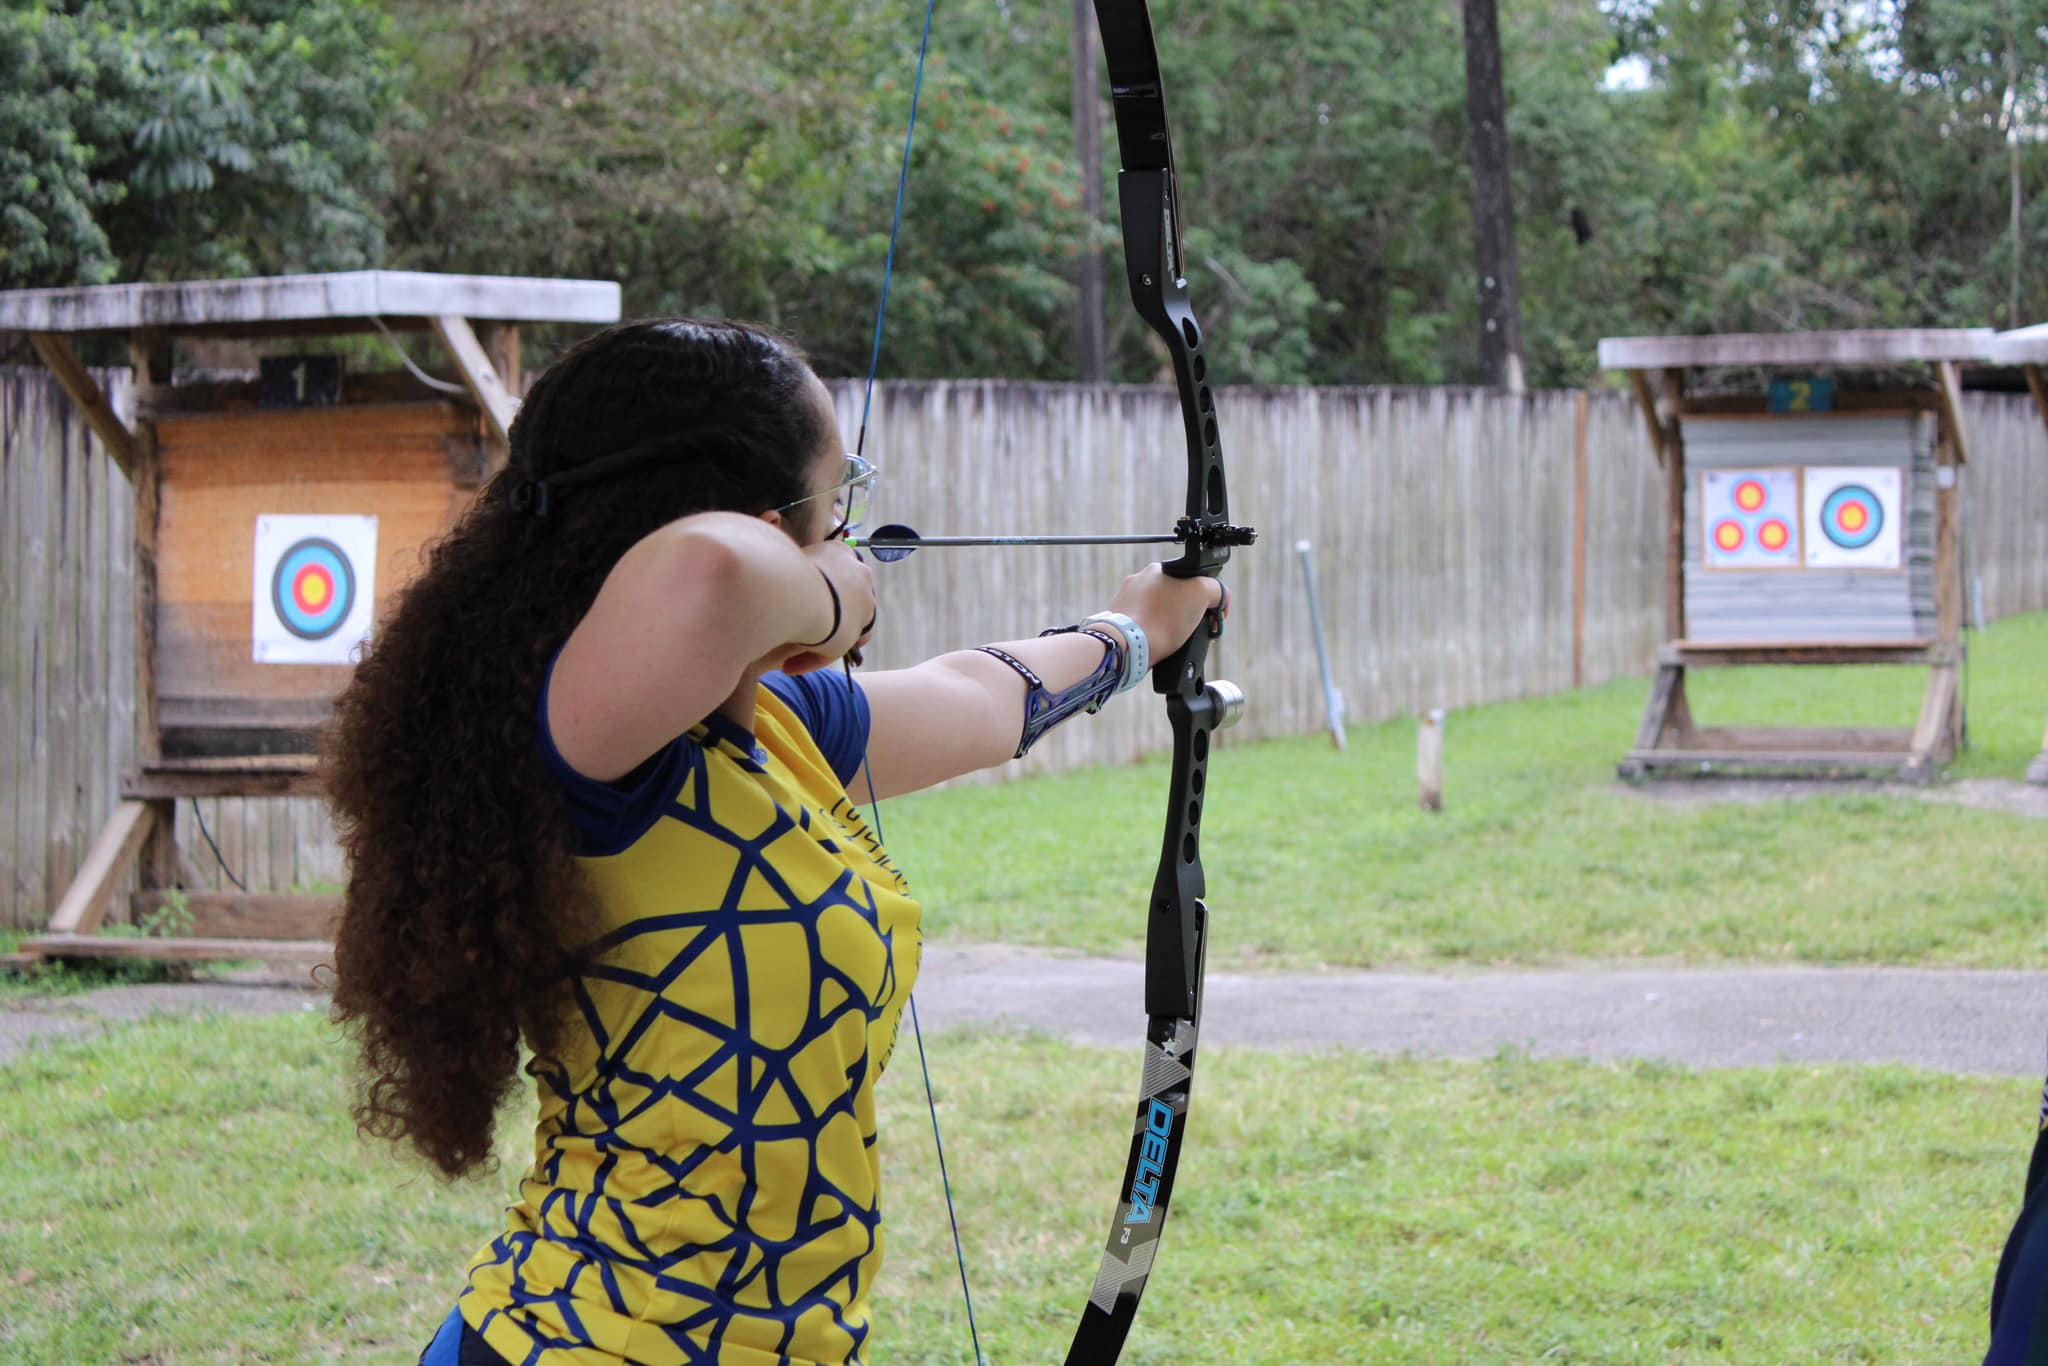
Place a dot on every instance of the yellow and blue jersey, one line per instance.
(706, 1185)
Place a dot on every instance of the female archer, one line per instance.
(597, 780)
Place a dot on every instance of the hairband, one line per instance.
(534, 497)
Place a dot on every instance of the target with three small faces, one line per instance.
(313, 588)
(1750, 518)
(1853, 515)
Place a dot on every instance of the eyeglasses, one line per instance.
(849, 496)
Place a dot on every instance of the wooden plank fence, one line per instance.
(1442, 520)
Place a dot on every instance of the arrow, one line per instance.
(895, 542)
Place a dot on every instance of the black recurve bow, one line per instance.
(1177, 921)
(1177, 918)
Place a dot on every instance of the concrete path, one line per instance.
(74, 1016)
(1950, 1020)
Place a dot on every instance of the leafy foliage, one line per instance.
(55, 116)
(1812, 164)
(175, 138)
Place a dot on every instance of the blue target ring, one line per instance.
(313, 588)
(1851, 517)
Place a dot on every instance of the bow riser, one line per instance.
(1179, 919)
(1145, 200)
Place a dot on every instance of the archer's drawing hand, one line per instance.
(1168, 609)
(852, 580)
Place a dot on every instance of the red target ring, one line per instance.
(313, 589)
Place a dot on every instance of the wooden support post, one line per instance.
(1948, 392)
(1948, 576)
(84, 903)
(2039, 390)
(77, 381)
(1934, 738)
(500, 342)
(477, 372)
(1667, 718)
(1671, 403)
(1942, 689)
(1429, 760)
(1667, 692)
(1948, 564)
(1585, 413)
(159, 863)
(1647, 401)
(2037, 772)
(149, 356)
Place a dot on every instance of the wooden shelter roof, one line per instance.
(345, 300)
(2021, 346)
(1848, 349)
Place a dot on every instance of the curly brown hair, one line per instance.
(464, 917)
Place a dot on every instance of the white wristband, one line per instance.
(1138, 659)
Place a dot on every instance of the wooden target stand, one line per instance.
(2027, 347)
(1796, 422)
(214, 466)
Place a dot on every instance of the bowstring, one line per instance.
(924, 1063)
(924, 45)
(860, 446)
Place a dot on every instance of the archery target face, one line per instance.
(314, 587)
(1855, 517)
(1750, 518)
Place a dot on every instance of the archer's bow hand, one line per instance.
(1169, 609)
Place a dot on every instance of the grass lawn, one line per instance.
(185, 1191)
(1541, 855)
(191, 1191)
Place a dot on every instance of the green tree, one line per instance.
(179, 138)
(1832, 164)
(56, 114)
(711, 160)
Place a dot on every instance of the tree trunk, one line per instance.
(2012, 143)
(1091, 361)
(1493, 205)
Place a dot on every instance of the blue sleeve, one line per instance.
(608, 817)
(833, 709)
